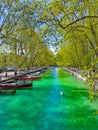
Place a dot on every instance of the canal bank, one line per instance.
(58, 101)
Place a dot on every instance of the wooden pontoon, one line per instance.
(36, 70)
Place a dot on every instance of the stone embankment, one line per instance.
(76, 72)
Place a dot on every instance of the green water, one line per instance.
(58, 101)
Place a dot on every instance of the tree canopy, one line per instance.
(31, 27)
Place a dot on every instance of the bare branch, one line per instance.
(64, 27)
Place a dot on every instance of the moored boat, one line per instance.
(30, 78)
(7, 91)
(15, 85)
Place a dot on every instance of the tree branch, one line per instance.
(64, 27)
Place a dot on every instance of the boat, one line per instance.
(7, 91)
(15, 85)
(30, 78)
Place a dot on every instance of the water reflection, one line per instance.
(59, 101)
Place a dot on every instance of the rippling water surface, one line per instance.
(59, 101)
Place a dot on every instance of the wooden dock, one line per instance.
(24, 74)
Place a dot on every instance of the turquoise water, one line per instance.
(59, 101)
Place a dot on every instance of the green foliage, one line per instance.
(73, 24)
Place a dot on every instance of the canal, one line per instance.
(59, 101)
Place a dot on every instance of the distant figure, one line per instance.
(15, 73)
(6, 74)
